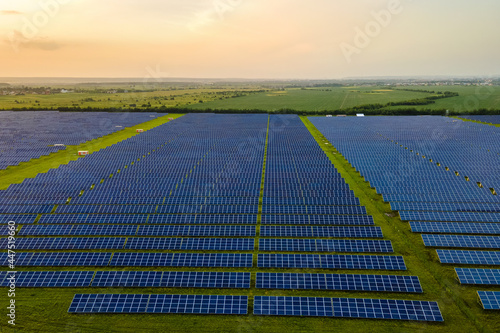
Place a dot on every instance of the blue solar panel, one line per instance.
(202, 219)
(347, 308)
(198, 304)
(478, 276)
(59, 259)
(331, 261)
(127, 279)
(182, 259)
(324, 245)
(197, 230)
(387, 283)
(18, 219)
(309, 231)
(78, 230)
(109, 303)
(456, 227)
(293, 306)
(318, 219)
(67, 243)
(490, 299)
(48, 278)
(225, 244)
(487, 242)
(140, 303)
(469, 257)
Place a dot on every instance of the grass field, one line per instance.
(134, 99)
(470, 98)
(45, 309)
(313, 99)
(239, 97)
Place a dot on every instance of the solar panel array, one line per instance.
(388, 283)
(48, 278)
(347, 307)
(478, 276)
(28, 134)
(169, 279)
(140, 303)
(490, 299)
(186, 194)
(491, 119)
(441, 174)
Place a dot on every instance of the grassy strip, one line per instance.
(457, 303)
(17, 173)
(475, 121)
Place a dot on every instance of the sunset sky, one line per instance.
(317, 39)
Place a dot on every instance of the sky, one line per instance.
(256, 39)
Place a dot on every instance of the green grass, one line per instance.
(16, 174)
(45, 309)
(316, 99)
(470, 98)
(157, 98)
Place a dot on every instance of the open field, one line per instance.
(470, 98)
(268, 97)
(173, 97)
(314, 99)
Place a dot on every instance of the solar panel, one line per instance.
(49, 279)
(19, 219)
(198, 304)
(181, 259)
(109, 303)
(490, 299)
(205, 280)
(325, 245)
(141, 303)
(66, 243)
(197, 230)
(387, 283)
(469, 257)
(309, 231)
(456, 227)
(478, 276)
(347, 308)
(318, 219)
(487, 242)
(62, 258)
(331, 261)
(293, 306)
(170, 279)
(225, 244)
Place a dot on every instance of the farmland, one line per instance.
(169, 169)
(262, 96)
(317, 99)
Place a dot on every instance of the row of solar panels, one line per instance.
(209, 244)
(263, 305)
(136, 259)
(173, 279)
(299, 219)
(196, 230)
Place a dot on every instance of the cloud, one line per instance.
(10, 12)
(18, 40)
